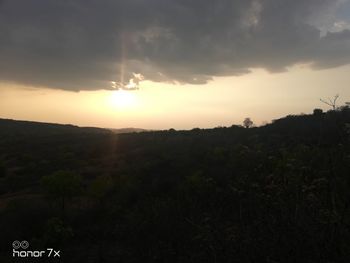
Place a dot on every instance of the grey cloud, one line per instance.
(86, 44)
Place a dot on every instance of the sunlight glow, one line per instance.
(123, 99)
(156, 105)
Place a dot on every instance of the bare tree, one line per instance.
(331, 102)
(247, 123)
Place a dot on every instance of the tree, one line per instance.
(100, 186)
(331, 102)
(247, 123)
(62, 185)
(318, 112)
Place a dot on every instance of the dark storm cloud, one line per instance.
(86, 44)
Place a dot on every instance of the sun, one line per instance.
(123, 99)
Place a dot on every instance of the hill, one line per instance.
(16, 127)
(277, 193)
(128, 130)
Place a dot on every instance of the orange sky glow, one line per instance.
(222, 102)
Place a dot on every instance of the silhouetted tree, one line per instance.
(318, 112)
(247, 123)
(331, 102)
(62, 185)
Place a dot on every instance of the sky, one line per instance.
(159, 64)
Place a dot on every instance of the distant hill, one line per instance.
(128, 130)
(16, 127)
(9, 126)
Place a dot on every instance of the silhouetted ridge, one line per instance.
(9, 126)
(276, 193)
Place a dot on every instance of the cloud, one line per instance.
(88, 44)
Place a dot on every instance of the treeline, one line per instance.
(277, 193)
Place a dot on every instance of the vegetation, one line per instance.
(277, 193)
(62, 185)
(247, 123)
